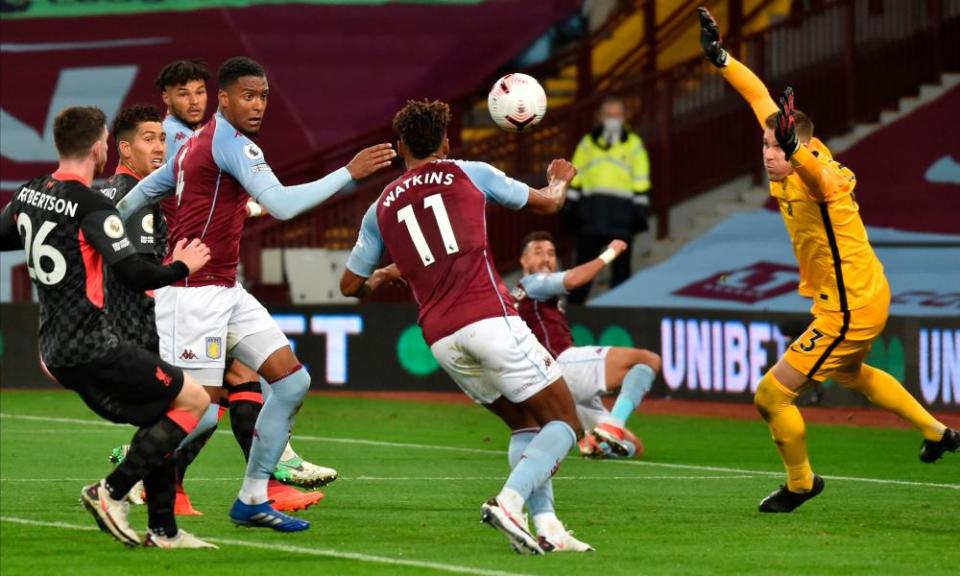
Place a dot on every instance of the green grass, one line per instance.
(421, 503)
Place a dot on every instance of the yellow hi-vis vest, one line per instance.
(621, 170)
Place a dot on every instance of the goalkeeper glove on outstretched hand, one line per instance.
(786, 130)
(710, 39)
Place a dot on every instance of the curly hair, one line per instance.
(127, 120)
(76, 129)
(422, 125)
(180, 72)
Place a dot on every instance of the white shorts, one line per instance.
(496, 357)
(585, 372)
(199, 326)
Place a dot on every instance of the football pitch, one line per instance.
(413, 477)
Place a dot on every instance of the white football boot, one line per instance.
(183, 539)
(110, 514)
(513, 525)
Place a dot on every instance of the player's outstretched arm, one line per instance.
(739, 76)
(285, 202)
(153, 188)
(550, 198)
(586, 272)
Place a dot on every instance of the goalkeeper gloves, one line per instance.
(710, 39)
(786, 130)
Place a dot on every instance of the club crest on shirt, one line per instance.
(214, 347)
(252, 151)
(147, 223)
(113, 227)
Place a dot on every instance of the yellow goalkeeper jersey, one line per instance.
(838, 268)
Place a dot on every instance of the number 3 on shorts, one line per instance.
(810, 344)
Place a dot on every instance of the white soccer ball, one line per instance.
(517, 102)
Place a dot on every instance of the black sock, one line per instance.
(187, 454)
(148, 449)
(246, 400)
(161, 489)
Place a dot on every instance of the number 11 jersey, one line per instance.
(432, 223)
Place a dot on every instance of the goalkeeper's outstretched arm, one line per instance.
(739, 76)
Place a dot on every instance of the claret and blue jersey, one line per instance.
(213, 175)
(432, 223)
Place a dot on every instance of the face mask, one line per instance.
(612, 125)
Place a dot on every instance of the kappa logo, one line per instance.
(163, 377)
(180, 136)
(187, 354)
(547, 361)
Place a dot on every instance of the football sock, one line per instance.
(288, 451)
(149, 448)
(207, 422)
(272, 431)
(246, 401)
(160, 485)
(636, 383)
(539, 460)
(883, 390)
(187, 453)
(541, 499)
(775, 402)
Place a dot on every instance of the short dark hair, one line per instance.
(803, 122)
(76, 129)
(538, 236)
(421, 125)
(127, 120)
(238, 67)
(182, 71)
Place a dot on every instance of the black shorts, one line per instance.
(128, 386)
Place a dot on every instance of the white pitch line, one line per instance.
(369, 558)
(86, 421)
(427, 478)
(384, 444)
(767, 473)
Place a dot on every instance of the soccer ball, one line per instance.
(517, 102)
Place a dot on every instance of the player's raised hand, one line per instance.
(371, 159)
(194, 254)
(786, 130)
(561, 170)
(618, 246)
(710, 39)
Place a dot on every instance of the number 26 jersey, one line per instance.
(68, 233)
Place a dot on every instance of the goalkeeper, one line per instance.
(838, 271)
